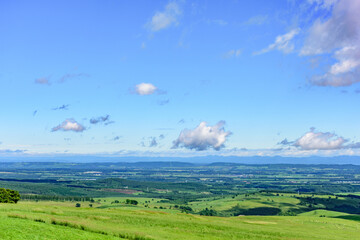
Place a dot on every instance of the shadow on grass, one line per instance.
(350, 217)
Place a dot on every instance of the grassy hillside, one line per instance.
(15, 228)
(324, 213)
(46, 220)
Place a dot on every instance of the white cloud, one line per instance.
(166, 18)
(314, 140)
(282, 43)
(203, 137)
(347, 60)
(320, 141)
(69, 125)
(324, 4)
(145, 89)
(340, 36)
(232, 53)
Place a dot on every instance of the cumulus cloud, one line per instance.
(314, 140)
(203, 137)
(339, 36)
(282, 43)
(145, 89)
(102, 119)
(166, 18)
(232, 53)
(69, 125)
(320, 141)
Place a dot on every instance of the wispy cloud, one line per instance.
(71, 75)
(10, 151)
(232, 53)
(102, 119)
(219, 22)
(203, 137)
(166, 18)
(152, 141)
(322, 4)
(62, 107)
(339, 35)
(257, 20)
(69, 125)
(163, 102)
(62, 79)
(43, 81)
(116, 138)
(282, 43)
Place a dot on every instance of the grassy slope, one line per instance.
(157, 224)
(284, 202)
(321, 212)
(14, 228)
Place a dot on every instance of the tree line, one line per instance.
(36, 197)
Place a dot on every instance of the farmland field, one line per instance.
(243, 202)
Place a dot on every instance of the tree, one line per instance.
(9, 196)
(131, 201)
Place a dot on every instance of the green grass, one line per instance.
(24, 229)
(18, 222)
(325, 213)
(252, 201)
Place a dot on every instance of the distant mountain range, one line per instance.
(195, 160)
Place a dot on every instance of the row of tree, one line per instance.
(55, 198)
(9, 196)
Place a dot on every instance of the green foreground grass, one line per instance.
(18, 222)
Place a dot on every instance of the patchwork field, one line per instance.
(177, 201)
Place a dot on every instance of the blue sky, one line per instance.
(180, 78)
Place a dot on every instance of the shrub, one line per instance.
(208, 212)
(131, 201)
